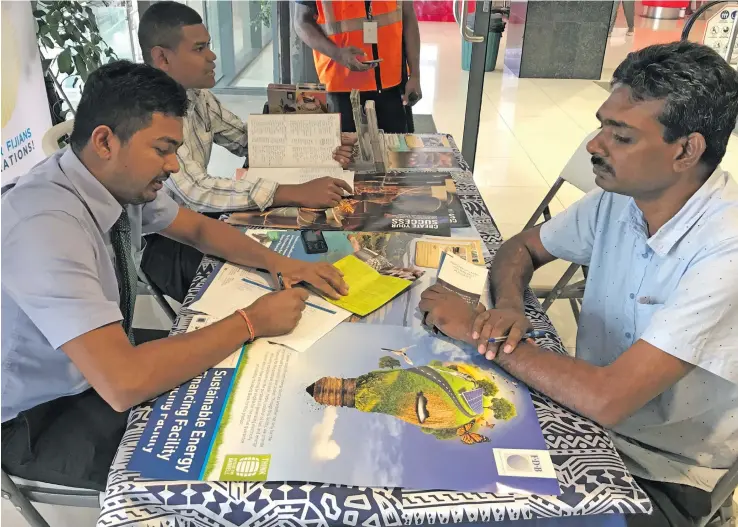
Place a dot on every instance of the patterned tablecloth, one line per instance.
(592, 476)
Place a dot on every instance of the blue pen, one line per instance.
(530, 335)
(316, 306)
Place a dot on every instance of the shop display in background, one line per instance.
(300, 98)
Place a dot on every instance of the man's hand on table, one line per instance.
(323, 276)
(451, 314)
(277, 313)
(321, 193)
(344, 154)
(498, 323)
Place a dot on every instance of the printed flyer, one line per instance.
(366, 405)
(415, 203)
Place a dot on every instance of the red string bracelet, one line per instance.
(248, 324)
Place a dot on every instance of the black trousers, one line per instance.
(391, 115)
(69, 441)
(170, 265)
(674, 505)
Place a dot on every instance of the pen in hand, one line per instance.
(530, 335)
(281, 281)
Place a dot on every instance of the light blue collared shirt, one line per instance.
(678, 291)
(58, 274)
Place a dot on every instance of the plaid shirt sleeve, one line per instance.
(207, 122)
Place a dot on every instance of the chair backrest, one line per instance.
(22, 492)
(50, 141)
(578, 170)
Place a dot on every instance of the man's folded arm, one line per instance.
(693, 327)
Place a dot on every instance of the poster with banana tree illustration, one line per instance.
(367, 405)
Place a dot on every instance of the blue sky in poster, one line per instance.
(381, 450)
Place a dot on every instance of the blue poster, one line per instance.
(367, 405)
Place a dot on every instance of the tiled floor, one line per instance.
(529, 129)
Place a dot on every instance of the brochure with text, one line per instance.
(375, 406)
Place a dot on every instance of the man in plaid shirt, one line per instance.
(174, 39)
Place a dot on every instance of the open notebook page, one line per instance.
(293, 140)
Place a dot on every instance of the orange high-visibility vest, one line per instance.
(343, 22)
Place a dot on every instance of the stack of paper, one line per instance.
(235, 288)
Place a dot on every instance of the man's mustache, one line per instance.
(597, 161)
(161, 179)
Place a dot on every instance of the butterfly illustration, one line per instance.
(468, 437)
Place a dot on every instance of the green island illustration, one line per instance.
(449, 400)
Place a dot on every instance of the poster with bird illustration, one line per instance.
(367, 405)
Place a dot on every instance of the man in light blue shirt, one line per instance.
(71, 241)
(657, 354)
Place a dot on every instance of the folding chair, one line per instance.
(50, 140)
(577, 172)
(21, 493)
(721, 499)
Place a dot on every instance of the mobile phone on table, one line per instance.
(314, 241)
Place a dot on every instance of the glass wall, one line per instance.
(244, 33)
(242, 36)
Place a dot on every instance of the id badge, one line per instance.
(370, 32)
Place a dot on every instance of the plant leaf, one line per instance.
(81, 65)
(65, 62)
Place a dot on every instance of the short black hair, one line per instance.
(699, 88)
(161, 25)
(124, 96)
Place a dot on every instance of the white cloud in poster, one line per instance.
(325, 447)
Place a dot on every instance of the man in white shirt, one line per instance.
(657, 356)
(174, 39)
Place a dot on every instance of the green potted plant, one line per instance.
(71, 48)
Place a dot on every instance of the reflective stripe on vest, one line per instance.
(342, 21)
(333, 27)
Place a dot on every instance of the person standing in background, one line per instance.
(359, 45)
(174, 39)
(629, 10)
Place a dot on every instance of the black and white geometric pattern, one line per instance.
(592, 476)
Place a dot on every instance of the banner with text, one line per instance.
(25, 108)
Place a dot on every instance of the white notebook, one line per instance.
(294, 140)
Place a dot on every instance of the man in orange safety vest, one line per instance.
(358, 45)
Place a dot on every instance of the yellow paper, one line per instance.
(368, 290)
